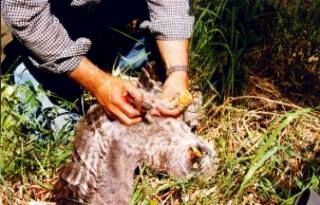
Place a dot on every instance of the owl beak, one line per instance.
(196, 152)
(194, 155)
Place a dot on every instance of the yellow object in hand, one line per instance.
(184, 99)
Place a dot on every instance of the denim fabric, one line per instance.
(129, 63)
(136, 57)
(22, 77)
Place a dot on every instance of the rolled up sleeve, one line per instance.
(170, 19)
(41, 32)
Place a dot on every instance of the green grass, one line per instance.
(30, 151)
(252, 168)
(268, 144)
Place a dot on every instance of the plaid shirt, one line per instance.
(41, 32)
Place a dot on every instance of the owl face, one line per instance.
(173, 148)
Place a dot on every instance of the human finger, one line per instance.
(135, 94)
(129, 110)
(123, 118)
(125, 106)
(155, 112)
(169, 112)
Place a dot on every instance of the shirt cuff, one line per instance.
(69, 58)
(170, 28)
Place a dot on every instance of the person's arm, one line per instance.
(41, 32)
(171, 23)
(112, 93)
(174, 53)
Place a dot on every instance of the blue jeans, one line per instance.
(130, 63)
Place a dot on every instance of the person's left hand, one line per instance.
(174, 86)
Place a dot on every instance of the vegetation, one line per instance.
(257, 63)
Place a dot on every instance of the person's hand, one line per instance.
(174, 86)
(173, 53)
(116, 96)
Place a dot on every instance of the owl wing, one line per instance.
(81, 176)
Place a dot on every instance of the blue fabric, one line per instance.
(22, 77)
(134, 60)
(130, 63)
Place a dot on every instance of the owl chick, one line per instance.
(106, 152)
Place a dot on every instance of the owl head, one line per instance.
(175, 147)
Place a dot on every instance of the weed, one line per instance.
(268, 140)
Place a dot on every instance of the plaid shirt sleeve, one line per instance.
(170, 19)
(41, 32)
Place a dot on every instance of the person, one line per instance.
(60, 40)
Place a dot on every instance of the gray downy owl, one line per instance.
(106, 152)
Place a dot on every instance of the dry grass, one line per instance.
(269, 150)
(268, 139)
(242, 134)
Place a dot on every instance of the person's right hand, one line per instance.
(116, 96)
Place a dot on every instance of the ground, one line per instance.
(260, 76)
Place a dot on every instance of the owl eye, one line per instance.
(193, 129)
